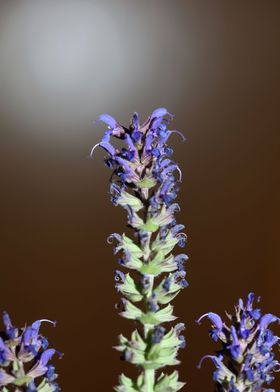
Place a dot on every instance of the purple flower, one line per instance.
(246, 359)
(158, 334)
(24, 357)
(41, 368)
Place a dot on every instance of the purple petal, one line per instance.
(130, 143)
(7, 321)
(235, 346)
(8, 355)
(11, 331)
(27, 337)
(108, 120)
(40, 368)
(108, 147)
(160, 112)
(106, 136)
(250, 301)
(46, 356)
(135, 122)
(266, 320)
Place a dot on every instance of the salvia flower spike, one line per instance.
(25, 359)
(145, 183)
(246, 361)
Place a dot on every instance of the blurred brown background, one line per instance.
(215, 65)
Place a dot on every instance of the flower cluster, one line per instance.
(145, 184)
(246, 362)
(24, 359)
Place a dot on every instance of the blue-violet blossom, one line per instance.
(246, 361)
(24, 359)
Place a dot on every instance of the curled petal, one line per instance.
(214, 318)
(114, 236)
(37, 324)
(180, 174)
(217, 361)
(120, 276)
(106, 146)
(179, 133)
(223, 371)
(169, 169)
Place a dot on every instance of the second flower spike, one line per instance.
(246, 360)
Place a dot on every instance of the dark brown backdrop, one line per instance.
(215, 65)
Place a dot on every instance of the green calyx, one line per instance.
(164, 383)
(127, 199)
(151, 356)
(146, 182)
(163, 315)
(22, 381)
(149, 226)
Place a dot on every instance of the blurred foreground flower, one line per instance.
(144, 184)
(24, 359)
(246, 361)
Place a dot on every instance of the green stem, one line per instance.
(149, 375)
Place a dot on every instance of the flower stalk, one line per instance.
(144, 183)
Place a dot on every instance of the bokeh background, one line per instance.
(215, 65)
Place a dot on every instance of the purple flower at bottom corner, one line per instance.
(246, 359)
(25, 358)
